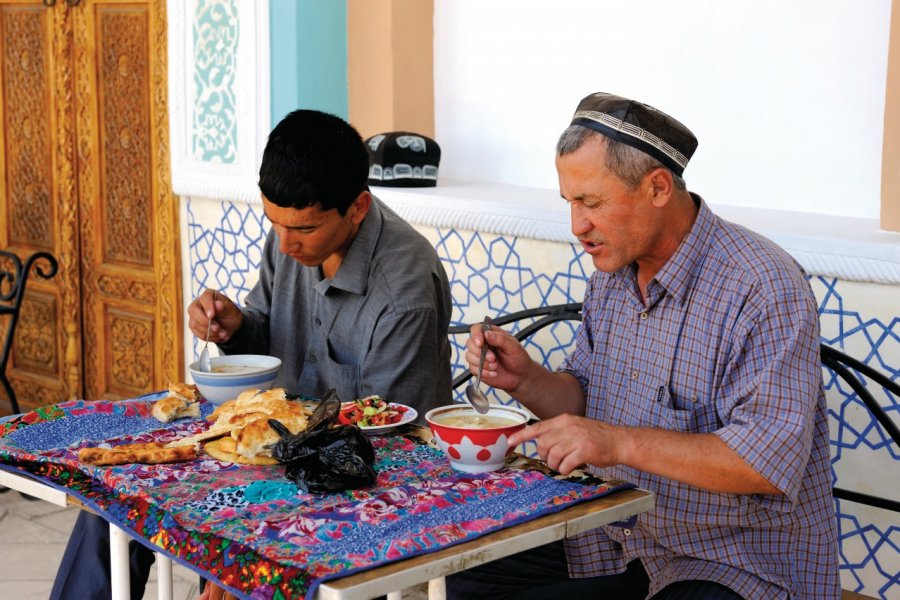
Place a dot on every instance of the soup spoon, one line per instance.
(205, 363)
(473, 391)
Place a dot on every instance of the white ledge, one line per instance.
(847, 248)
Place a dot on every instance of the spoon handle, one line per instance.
(485, 326)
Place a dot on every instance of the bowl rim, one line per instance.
(231, 359)
(520, 412)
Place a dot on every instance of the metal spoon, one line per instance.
(205, 363)
(473, 391)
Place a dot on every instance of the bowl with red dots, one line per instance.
(475, 442)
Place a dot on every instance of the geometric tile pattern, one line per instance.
(496, 275)
(863, 456)
(225, 242)
(215, 44)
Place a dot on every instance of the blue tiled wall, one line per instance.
(496, 275)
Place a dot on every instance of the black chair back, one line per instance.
(860, 376)
(13, 278)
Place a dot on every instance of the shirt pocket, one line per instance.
(687, 414)
(343, 372)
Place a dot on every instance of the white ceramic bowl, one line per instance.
(475, 449)
(234, 374)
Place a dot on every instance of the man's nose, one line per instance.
(580, 224)
(285, 243)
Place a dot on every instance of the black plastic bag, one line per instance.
(325, 458)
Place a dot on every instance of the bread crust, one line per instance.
(181, 402)
(225, 449)
(150, 453)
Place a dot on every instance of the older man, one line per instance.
(695, 374)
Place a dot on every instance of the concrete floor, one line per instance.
(33, 536)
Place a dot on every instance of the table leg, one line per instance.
(119, 563)
(164, 576)
(437, 589)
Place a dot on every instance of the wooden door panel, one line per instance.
(37, 197)
(84, 174)
(129, 237)
(27, 100)
(129, 346)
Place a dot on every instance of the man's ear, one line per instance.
(360, 206)
(660, 186)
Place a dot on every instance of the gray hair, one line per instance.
(625, 162)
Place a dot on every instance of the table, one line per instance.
(421, 521)
(118, 538)
(543, 530)
(387, 579)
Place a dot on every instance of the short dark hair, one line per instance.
(314, 158)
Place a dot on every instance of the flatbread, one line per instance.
(244, 421)
(150, 453)
(225, 449)
(184, 391)
(257, 437)
(253, 401)
(171, 408)
(212, 433)
(181, 402)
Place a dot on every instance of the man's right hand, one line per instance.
(214, 306)
(507, 366)
(506, 363)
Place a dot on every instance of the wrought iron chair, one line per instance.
(857, 375)
(13, 278)
(536, 319)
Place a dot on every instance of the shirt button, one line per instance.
(634, 374)
(643, 316)
(318, 321)
(312, 358)
(626, 531)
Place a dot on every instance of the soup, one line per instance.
(477, 421)
(234, 369)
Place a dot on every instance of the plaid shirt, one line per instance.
(728, 343)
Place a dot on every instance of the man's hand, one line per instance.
(507, 366)
(506, 362)
(214, 306)
(568, 442)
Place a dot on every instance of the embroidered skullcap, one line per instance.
(640, 126)
(403, 159)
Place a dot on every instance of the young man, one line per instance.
(695, 374)
(349, 296)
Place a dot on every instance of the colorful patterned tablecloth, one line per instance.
(248, 528)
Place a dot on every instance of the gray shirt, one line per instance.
(379, 326)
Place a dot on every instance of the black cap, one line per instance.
(640, 126)
(403, 159)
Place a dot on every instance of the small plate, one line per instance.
(408, 417)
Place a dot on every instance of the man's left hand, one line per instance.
(567, 442)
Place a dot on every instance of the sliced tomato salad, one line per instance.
(371, 411)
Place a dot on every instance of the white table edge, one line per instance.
(452, 564)
(118, 538)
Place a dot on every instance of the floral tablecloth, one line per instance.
(247, 527)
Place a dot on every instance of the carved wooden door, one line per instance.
(85, 173)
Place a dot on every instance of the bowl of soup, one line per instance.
(234, 374)
(475, 442)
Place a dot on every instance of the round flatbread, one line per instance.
(225, 449)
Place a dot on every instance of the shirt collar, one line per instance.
(353, 274)
(681, 269)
